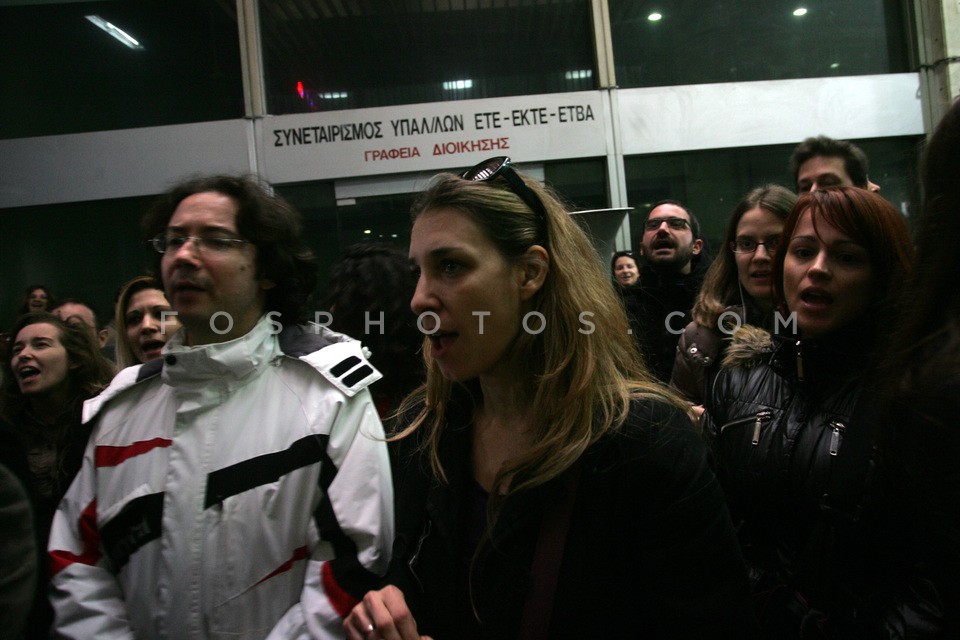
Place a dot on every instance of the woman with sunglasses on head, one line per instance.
(546, 485)
(52, 368)
(144, 320)
(791, 421)
(737, 290)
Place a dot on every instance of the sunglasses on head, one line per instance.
(500, 166)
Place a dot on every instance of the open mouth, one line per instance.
(440, 342)
(27, 373)
(666, 243)
(816, 298)
(151, 348)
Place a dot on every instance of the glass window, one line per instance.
(331, 227)
(712, 182)
(83, 250)
(581, 183)
(71, 67)
(658, 43)
(330, 56)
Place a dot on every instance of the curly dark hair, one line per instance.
(266, 220)
(368, 279)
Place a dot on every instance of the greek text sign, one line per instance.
(434, 136)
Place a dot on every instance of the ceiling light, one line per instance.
(333, 95)
(453, 85)
(653, 17)
(835, 65)
(115, 31)
(800, 12)
(367, 231)
(579, 74)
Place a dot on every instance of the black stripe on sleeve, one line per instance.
(137, 524)
(255, 472)
(352, 576)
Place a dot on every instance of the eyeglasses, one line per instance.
(500, 166)
(163, 243)
(677, 224)
(749, 245)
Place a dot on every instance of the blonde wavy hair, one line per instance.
(581, 382)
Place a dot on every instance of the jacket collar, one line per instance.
(224, 364)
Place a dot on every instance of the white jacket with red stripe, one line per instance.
(235, 490)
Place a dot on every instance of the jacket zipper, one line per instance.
(799, 362)
(762, 416)
(758, 420)
(836, 437)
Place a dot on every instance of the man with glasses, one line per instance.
(669, 282)
(240, 484)
(820, 162)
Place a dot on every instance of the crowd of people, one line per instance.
(492, 435)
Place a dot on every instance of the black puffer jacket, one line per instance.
(791, 424)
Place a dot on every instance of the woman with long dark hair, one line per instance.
(737, 290)
(52, 368)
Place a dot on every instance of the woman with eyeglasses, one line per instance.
(792, 416)
(737, 289)
(52, 368)
(144, 320)
(546, 485)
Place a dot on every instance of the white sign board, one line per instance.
(743, 114)
(433, 136)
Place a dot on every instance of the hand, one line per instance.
(382, 615)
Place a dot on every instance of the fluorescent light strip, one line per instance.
(580, 74)
(453, 85)
(115, 31)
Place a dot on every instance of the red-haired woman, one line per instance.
(788, 420)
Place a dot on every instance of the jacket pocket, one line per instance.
(744, 442)
(756, 421)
